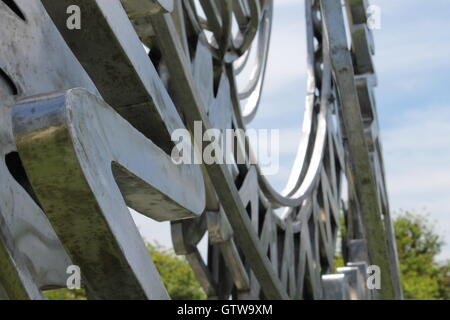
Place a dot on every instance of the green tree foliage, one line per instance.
(66, 294)
(418, 245)
(175, 272)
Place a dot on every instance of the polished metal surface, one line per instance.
(86, 119)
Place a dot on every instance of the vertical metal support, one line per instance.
(360, 164)
(335, 287)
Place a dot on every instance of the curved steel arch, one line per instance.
(74, 159)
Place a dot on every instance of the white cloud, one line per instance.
(287, 3)
(417, 157)
(411, 40)
(287, 58)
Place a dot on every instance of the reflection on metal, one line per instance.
(86, 118)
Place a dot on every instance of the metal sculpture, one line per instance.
(86, 121)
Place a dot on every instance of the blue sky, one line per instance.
(413, 100)
(413, 64)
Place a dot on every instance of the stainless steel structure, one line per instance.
(86, 117)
